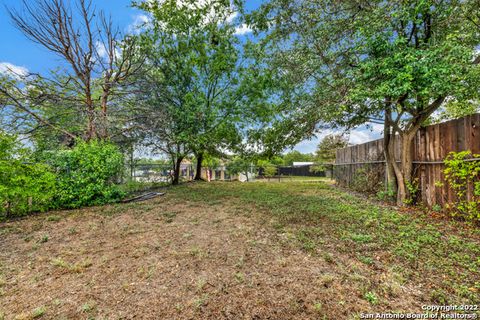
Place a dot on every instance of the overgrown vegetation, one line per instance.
(82, 176)
(368, 179)
(462, 174)
(88, 174)
(24, 186)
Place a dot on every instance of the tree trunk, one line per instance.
(405, 173)
(198, 173)
(389, 149)
(91, 128)
(104, 104)
(132, 164)
(176, 171)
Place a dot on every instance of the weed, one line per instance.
(74, 268)
(328, 257)
(201, 301)
(371, 297)
(365, 259)
(201, 284)
(178, 307)
(278, 226)
(461, 176)
(239, 277)
(169, 216)
(438, 296)
(386, 195)
(88, 307)
(317, 306)
(58, 262)
(43, 239)
(38, 312)
(361, 238)
(53, 218)
(146, 272)
(413, 190)
(57, 302)
(307, 242)
(196, 252)
(241, 262)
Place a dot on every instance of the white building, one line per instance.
(302, 164)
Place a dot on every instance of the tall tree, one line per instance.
(96, 62)
(327, 148)
(195, 78)
(296, 156)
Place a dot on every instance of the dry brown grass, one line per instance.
(171, 258)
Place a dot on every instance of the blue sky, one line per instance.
(18, 51)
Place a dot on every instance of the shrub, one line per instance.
(24, 187)
(239, 166)
(463, 176)
(368, 179)
(269, 169)
(87, 174)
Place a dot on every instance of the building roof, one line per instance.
(301, 164)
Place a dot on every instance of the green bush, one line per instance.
(269, 169)
(463, 176)
(24, 187)
(87, 174)
(368, 179)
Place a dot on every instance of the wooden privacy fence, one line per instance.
(431, 146)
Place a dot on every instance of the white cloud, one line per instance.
(232, 17)
(243, 30)
(228, 15)
(140, 21)
(101, 50)
(310, 145)
(376, 127)
(365, 134)
(12, 70)
(358, 136)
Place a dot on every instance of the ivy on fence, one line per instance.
(462, 174)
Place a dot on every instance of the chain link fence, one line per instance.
(161, 173)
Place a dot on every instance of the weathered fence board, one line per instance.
(431, 146)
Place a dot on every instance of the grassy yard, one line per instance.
(290, 250)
